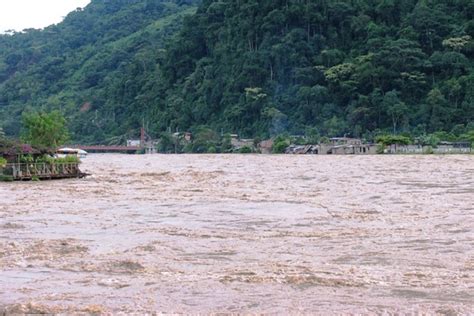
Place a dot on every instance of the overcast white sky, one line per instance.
(23, 14)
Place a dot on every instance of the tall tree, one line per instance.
(46, 130)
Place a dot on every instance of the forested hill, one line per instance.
(257, 68)
(268, 66)
(93, 66)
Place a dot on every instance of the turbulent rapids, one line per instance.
(242, 234)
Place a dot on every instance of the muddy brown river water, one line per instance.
(243, 234)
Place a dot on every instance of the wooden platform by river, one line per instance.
(42, 171)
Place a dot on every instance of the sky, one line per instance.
(23, 14)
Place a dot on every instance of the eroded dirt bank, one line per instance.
(248, 234)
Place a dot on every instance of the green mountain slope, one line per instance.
(92, 66)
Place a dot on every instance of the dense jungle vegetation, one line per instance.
(99, 67)
(256, 68)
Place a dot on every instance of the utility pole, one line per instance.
(142, 134)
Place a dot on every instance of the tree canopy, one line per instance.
(44, 130)
(341, 67)
(256, 68)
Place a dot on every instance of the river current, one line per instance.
(243, 234)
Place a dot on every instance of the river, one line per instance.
(243, 234)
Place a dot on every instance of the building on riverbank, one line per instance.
(453, 148)
(336, 146)
(239, 143)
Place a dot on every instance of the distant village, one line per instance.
(329, 146)
(354, 146)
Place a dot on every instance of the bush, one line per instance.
(325, 140)
(67, 159)
(245, 150)
(429, 140)
(301, 141)
(51, 160)
(6, 178)
(428, 150)
(204, 139)
(469, 136)
(188, 148)
(312, 136)
(280, 144)
(380, 149)
(3, 162)
(27, 159)
(212, 150)
(444, 136)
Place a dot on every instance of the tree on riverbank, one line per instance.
(46, 130)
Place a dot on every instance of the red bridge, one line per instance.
(110, 149)
(144, 137)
